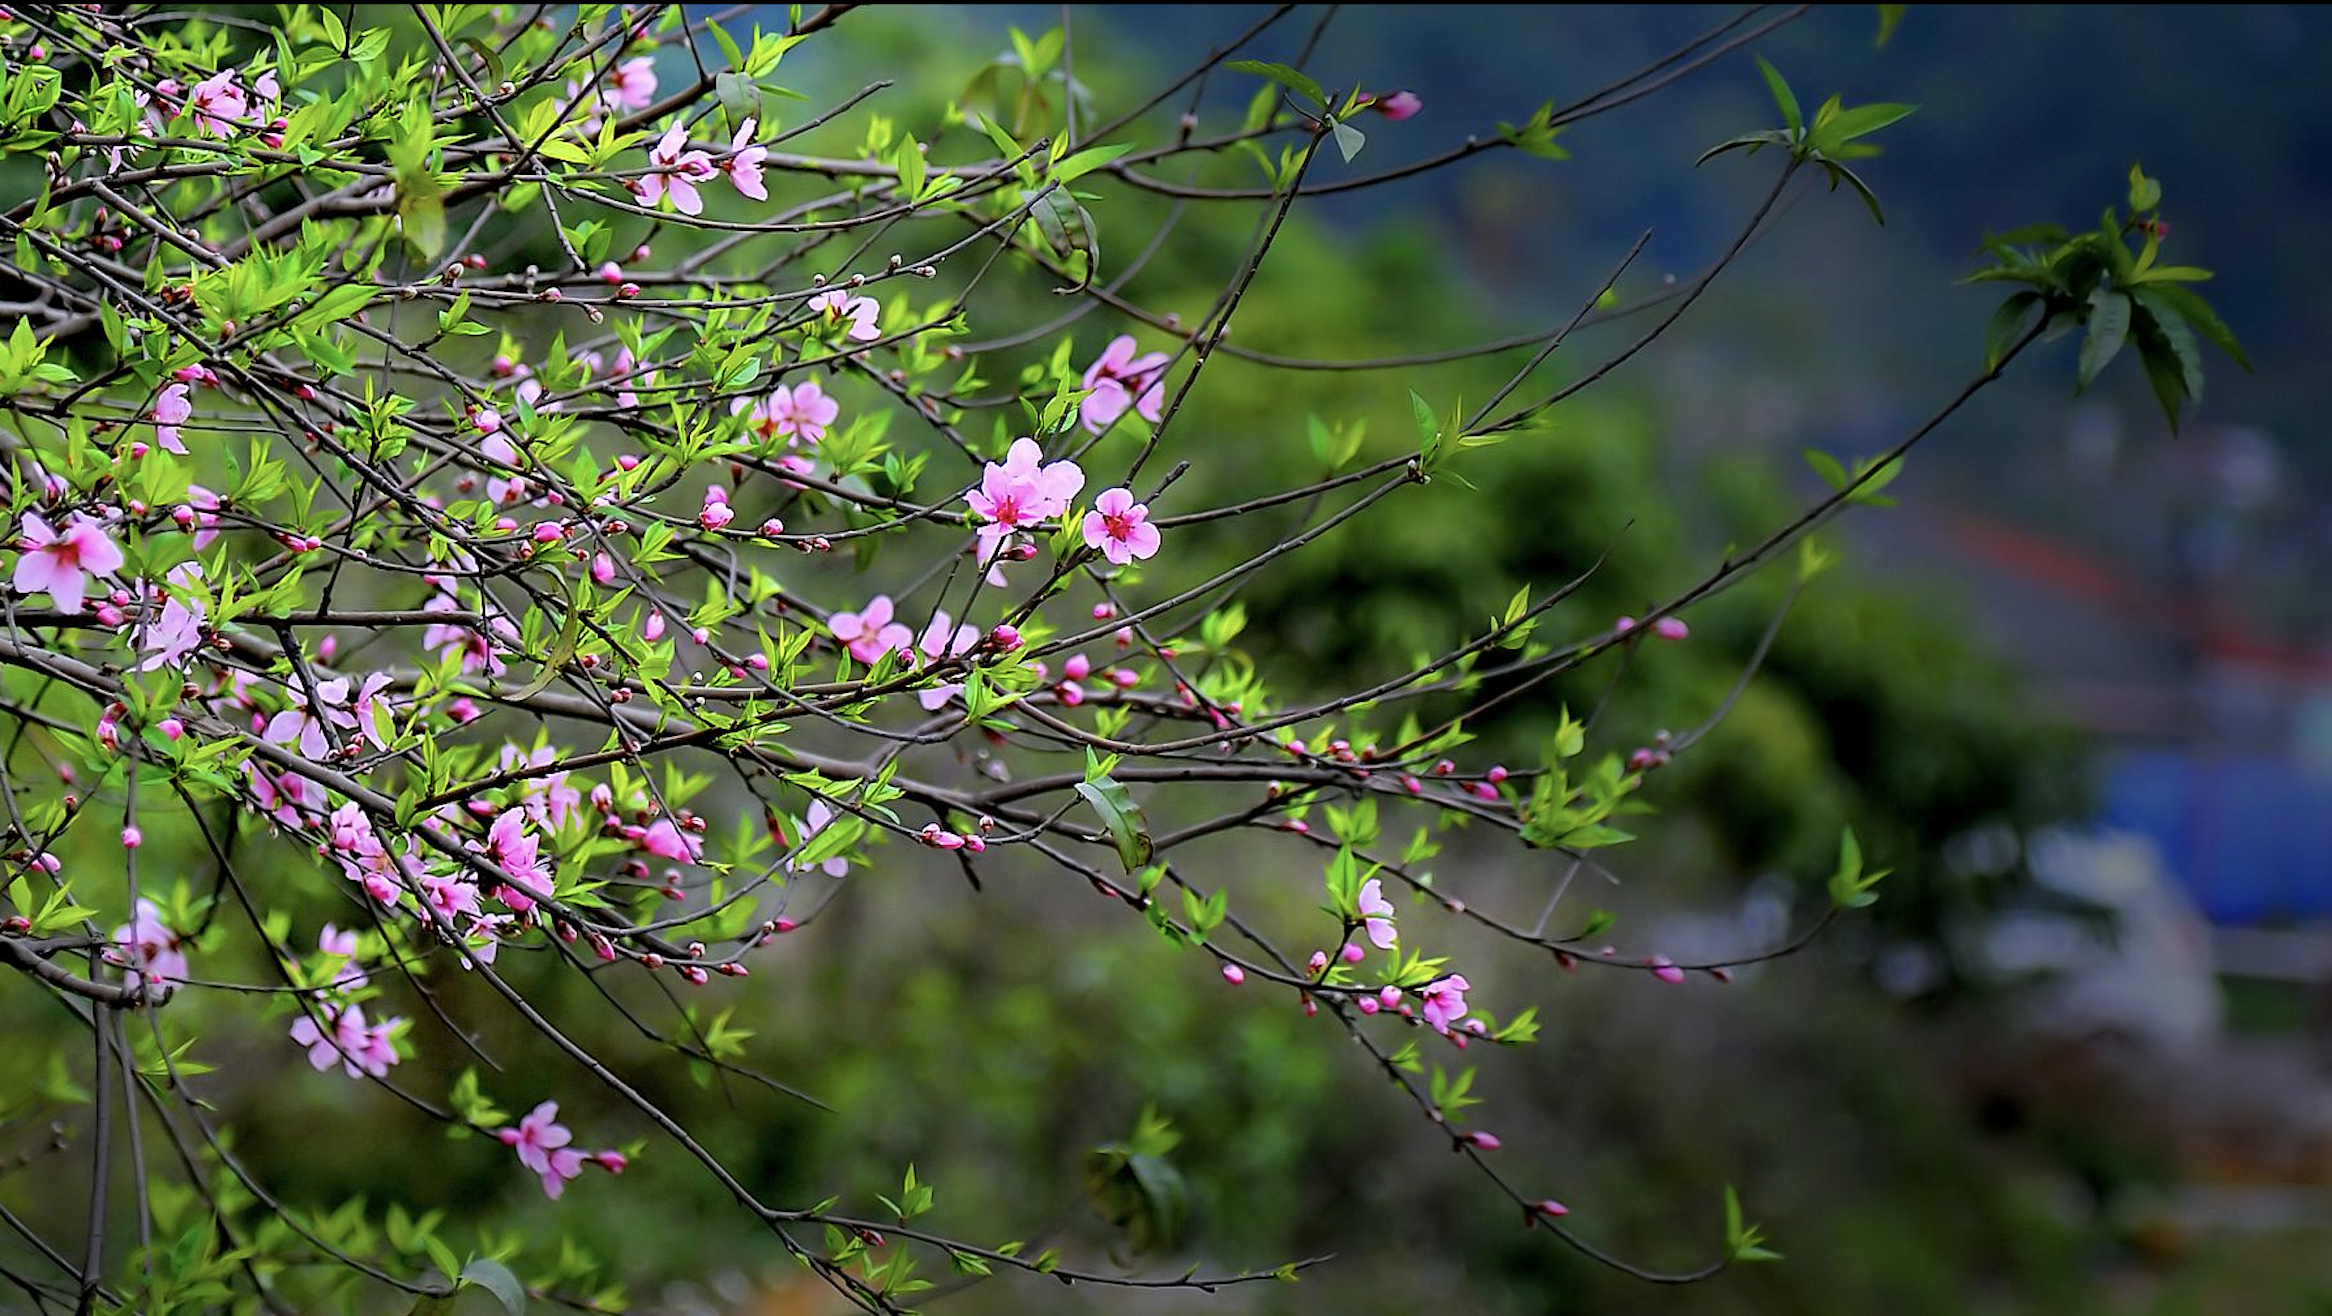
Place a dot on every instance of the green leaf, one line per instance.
(2109, 328)
(2007, 323)
(1861, 121)
(1088, 160)
(1889, 16)
(1121, 816)
(2145, 193)
(1286, 77)
(495, 1278)
(2197, 312)
(1828, 467)
(1782, 96)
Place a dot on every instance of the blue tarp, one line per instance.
(2251, 838)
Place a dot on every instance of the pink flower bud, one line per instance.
(1548, 1206)
(1485, 1141)
(1076, 667)
(1004, 638)
(1351, 953)
(1368, 1005)
(1318, 961)
(1399, 105)
(1665, 969)
(132, 838)
(549, 532)
(611, 1161)
(171, 728)
(1670, 628)
(610, 272)
(1234, 975)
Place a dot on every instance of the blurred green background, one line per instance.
(1930, 1112)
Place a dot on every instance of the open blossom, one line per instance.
(744, 164)
(151, 948)
(171, 410)
(176, 631)
(802, 412)
(870, 633)
(1120, 527)
(674, 171)
(518, 853)
(1445, 1001)
(665, 840)
(60, 562)
(1120, 380)
(215, 102)
(1021, 492)
(541, 1142)
(633, 84)
(356, 1046)
(1376, 914)
(862, 313)
(299, 723)
(944, 639)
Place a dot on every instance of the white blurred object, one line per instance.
(2145, 971)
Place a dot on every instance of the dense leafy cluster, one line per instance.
(481, 453)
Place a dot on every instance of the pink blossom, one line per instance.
(664, 839)
(1665, 969)
(1445, 1001)
(171, 410)
(449, 896)
(861, 312)
(802, 412)
(1120, 527)
(215, 102)
(168, 638)
(1376, 915)
(1118, 380)
(1234, 975)
(632, 86)
(1671, 628)
(541, 1142)
(154, 956)
(715, 513)
(61, 562)
(743, 166)
(870, 633)
(332, 941)
(1398, 105)
(299, 723)
(201, 508)
(674, 171)
(359, 1049)
(518, 853)
(1021, 492)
